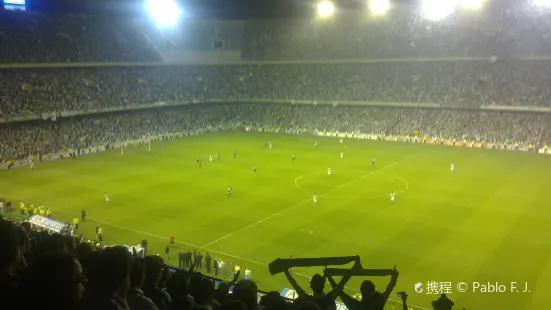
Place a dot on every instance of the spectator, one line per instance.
(109, 280)
(371, 299)
(179, 290)
(233, 305)
(153, 276)
(246, 292)
(55, 280)
(204, 296)
(11, 262)
(136, 298)
(273, 301)
(442, 303)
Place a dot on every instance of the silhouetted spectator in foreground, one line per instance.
(56, 282)
(233, 304)
(317, 284)
(179, 291)
(442, 303)
(154, 272)
(11, 261)
(371, 299)
(274, 301)
(136, 298)
(204, 296)
(246, 291)
(109, 280)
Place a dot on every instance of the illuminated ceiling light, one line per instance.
(379, 7)
(545, 3)
(473, 4)
(438, 9)
(164, 12)
(326, 8)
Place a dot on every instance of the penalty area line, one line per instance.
(306, 201)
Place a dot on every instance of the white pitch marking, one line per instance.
(144, 233)
(305, 201)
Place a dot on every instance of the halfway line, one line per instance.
(305, 201)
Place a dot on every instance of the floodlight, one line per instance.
(326, 8)
(438, 9)
(472, 4)
(379, 7)
(165, 12)
(544, 3)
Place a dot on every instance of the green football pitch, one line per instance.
(487, 221)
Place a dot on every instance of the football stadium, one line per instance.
(373, 155)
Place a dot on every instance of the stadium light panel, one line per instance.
(325, 8)
(544, 3)
(379, 7)
(164, 12)
(436, 10)
(473, 4)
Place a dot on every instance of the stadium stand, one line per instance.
(482, 79)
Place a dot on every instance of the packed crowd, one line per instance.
(454, 84)
(63, 272)
(19, 140)
(503, 30)
(36, 38)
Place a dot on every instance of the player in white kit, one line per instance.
(342, 155)
(106, 198)
(452, 167)
(315, 198)
(392, 197)
(270, 146)
(329, 171)
(210, 159)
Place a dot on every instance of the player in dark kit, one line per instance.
(294, 156)
(373, 161)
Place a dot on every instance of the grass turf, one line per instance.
(487, 221)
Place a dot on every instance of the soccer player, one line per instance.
(452, 167)
(210, 158)
(229, 191)
(197, 159)
(392, 197)
(200, 163)
(294, 156)
(106, 198)
(31, 162)
(342, 155)
(254, 170)
(315, 143)
(341, 141)
(315, 198)
(329, 171)
(270, 146)
(373, 162)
